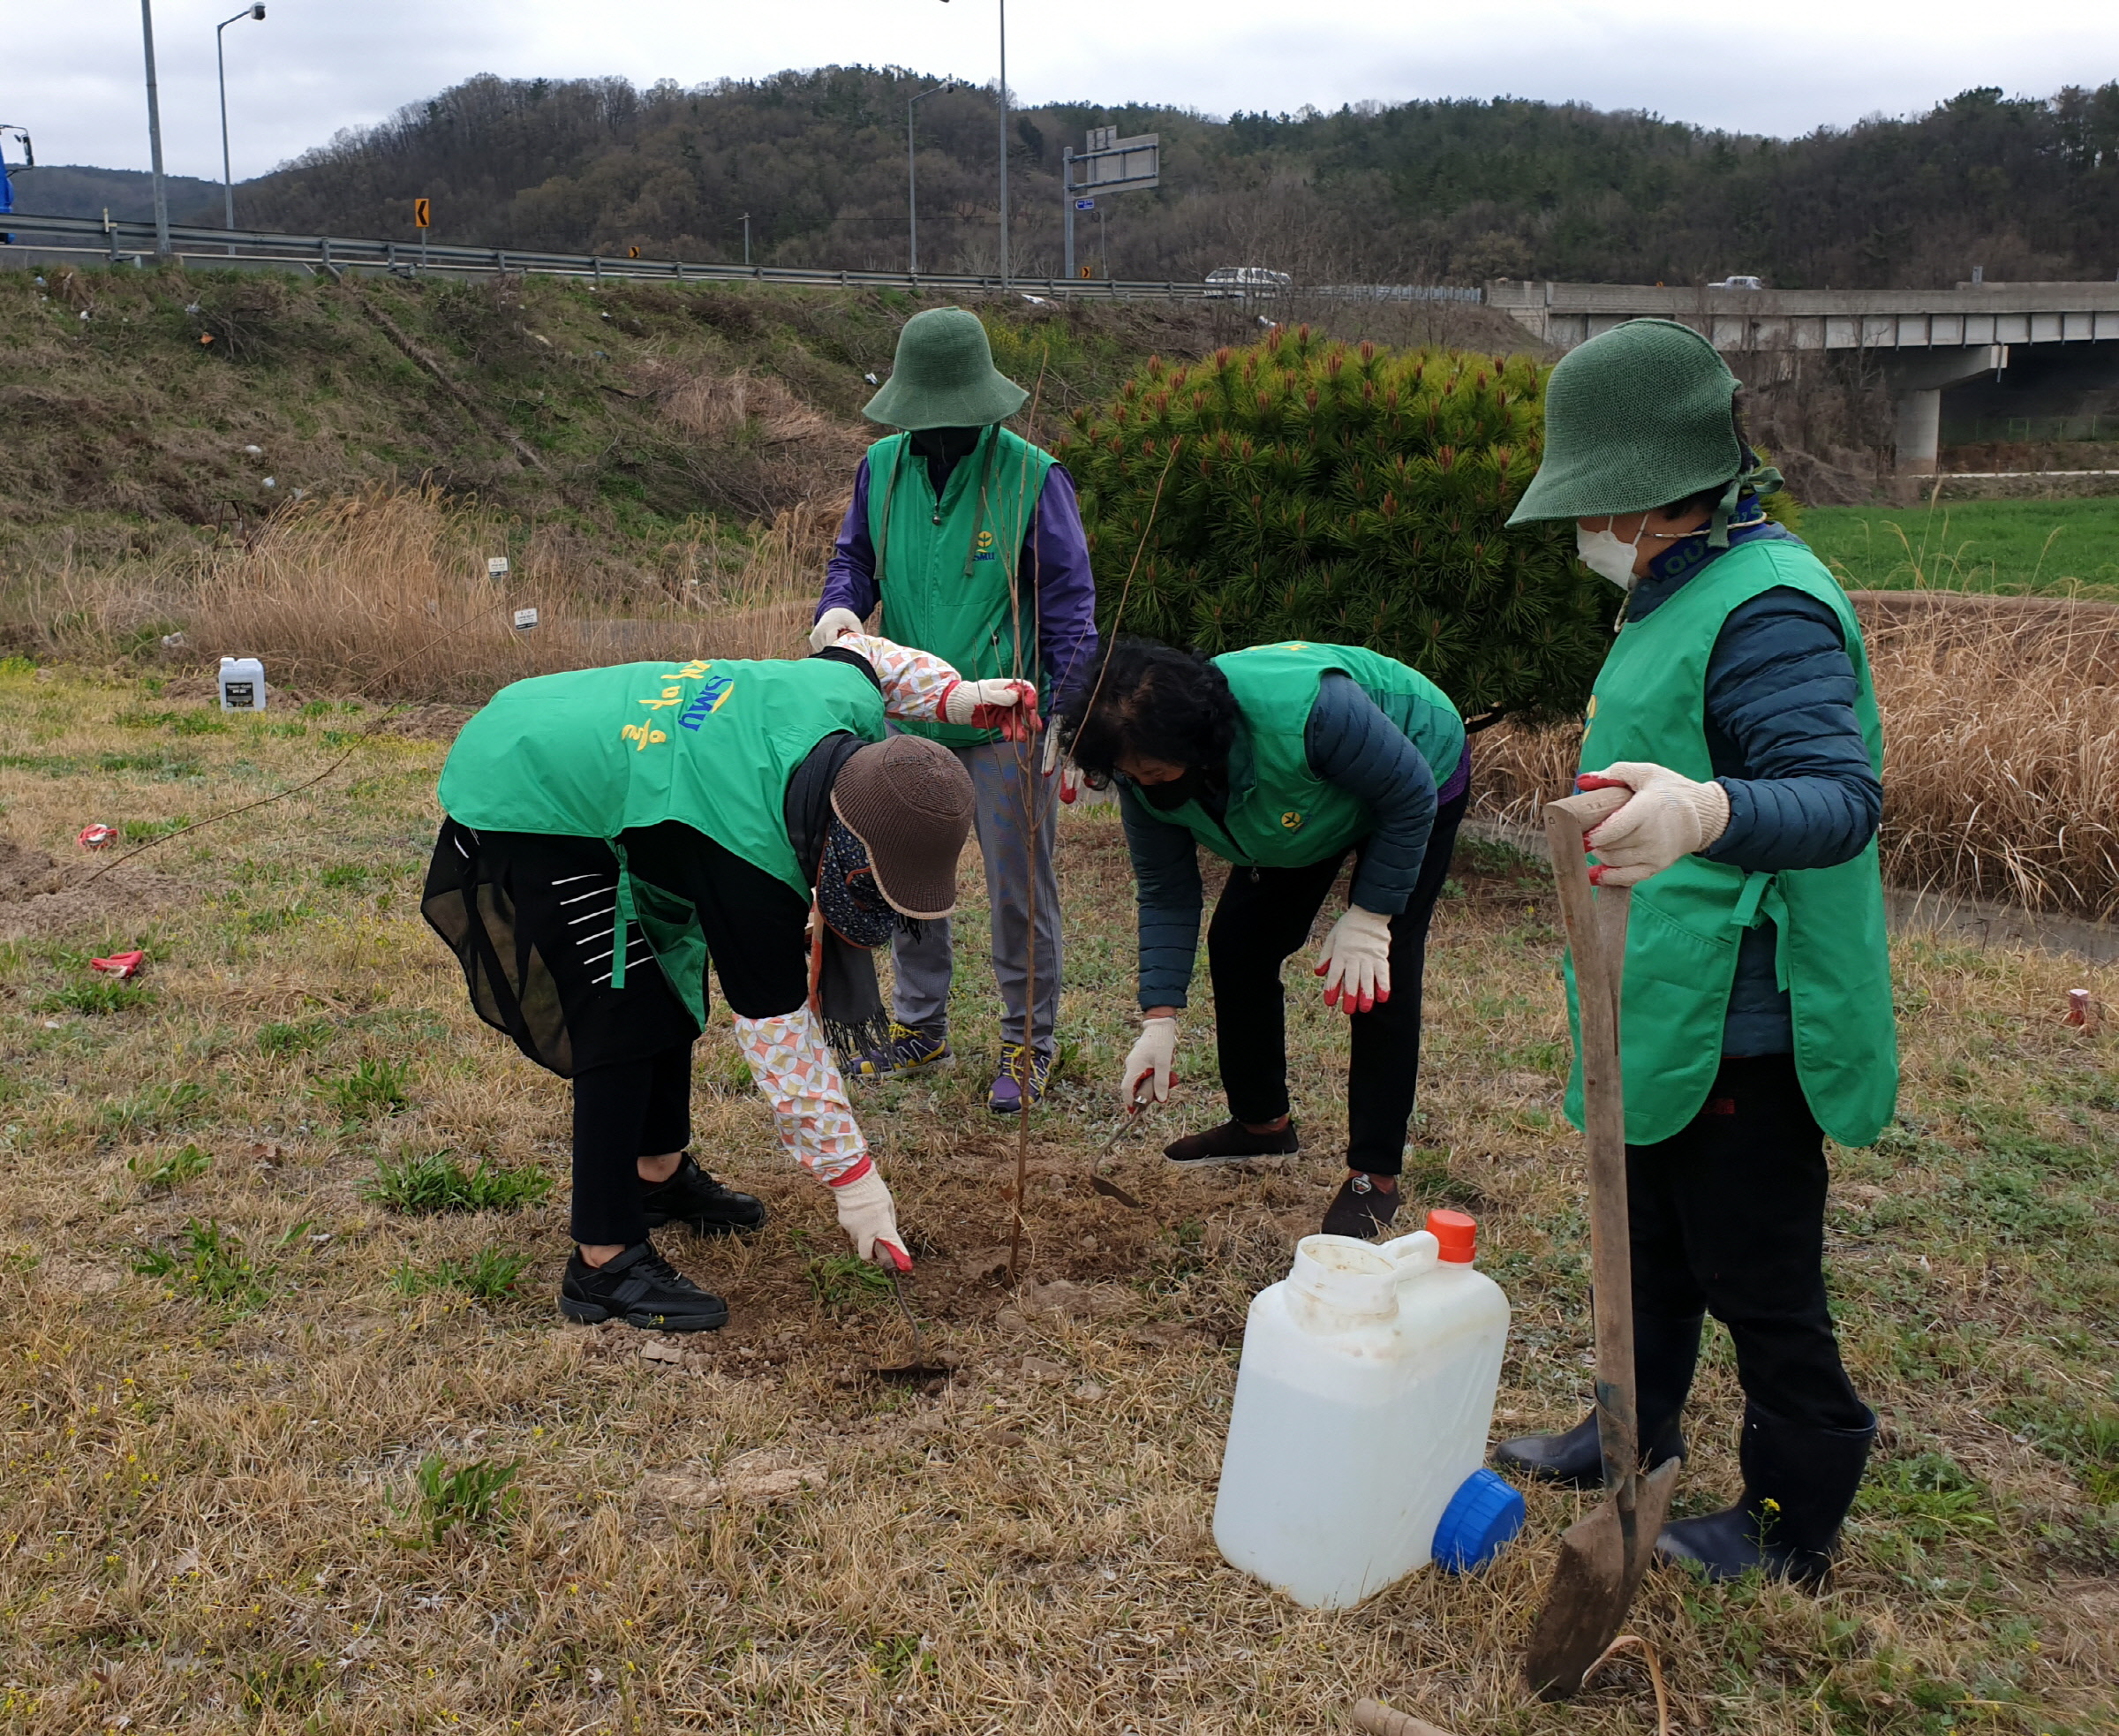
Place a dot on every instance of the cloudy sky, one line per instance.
(72, 71)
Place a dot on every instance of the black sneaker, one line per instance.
(1359, 1208)
(1231, 1143)
(701, 1205)
(641, 1288)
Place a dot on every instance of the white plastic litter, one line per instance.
(242, 685)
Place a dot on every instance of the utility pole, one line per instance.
(162, 191)
(1004, 141)
(228, 182)
(746, 237)
(912, 179)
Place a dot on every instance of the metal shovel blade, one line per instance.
(1602, 1559)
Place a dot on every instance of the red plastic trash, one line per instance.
(96, 837)
(119, 964)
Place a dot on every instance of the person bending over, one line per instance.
(610, 832)
(1281, 759)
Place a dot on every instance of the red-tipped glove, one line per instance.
(1669, 817)
(1009, 706)
(869, 1216)
(1152, 1064)
(1356, 961)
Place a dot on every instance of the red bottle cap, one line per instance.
(1457, 1232)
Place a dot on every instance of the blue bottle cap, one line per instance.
(1481, 1516)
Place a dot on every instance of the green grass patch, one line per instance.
(373, 1088)
(210, 1262)
(2028, 546)
(477, 1497)
(490, 1275)
(96, 996)
(160, 1171)
(846, 1280)
(153, 1110)
(284, 1038)
(434, 1181)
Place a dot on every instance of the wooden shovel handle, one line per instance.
(1595, 920)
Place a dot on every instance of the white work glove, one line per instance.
(1355, 963)
(1009, 706)
(1150, 1064)
(834, 625)
(1667, 817)
(869, 1216)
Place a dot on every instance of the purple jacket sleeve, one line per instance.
(1055, 554)
(850, 578)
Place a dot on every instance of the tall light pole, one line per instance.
(162, 191)
(228, 183)
(912, 178)
(1004, 141)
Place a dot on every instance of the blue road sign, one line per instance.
(1085, 205)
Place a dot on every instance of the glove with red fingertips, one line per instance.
(1669, 817)
(1150, 1064)
(868, 1215)
(833, 625)
(1356, 961)
(1008, 705)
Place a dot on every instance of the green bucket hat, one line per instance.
(944, 376)
(1637, 418)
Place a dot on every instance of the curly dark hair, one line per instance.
(1149, 701)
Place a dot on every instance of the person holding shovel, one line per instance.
(971, 538)
(1755, 1006)
(1281, 759)
(611, 831)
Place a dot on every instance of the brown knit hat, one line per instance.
(908, 800)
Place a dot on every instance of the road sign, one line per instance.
(1086, 271)
(1085, 205)
(1112, 164)
(422, 210)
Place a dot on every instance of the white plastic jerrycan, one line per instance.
(242, 685)
(1359, 1430)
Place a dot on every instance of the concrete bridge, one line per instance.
(1924, 340)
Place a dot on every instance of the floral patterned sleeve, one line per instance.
(794, 1068)
(915, 682)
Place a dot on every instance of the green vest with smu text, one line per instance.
(946, 569)
(593, 752)
(1280, 814)
(1687, 923)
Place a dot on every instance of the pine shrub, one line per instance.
(1352, 494)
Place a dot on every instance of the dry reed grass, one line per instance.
(385, 595)
(2000, 728)
(201, 1533)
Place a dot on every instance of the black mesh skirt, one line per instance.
(530, 919)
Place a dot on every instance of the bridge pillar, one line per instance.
(1916, 379)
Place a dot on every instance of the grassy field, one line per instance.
(291, 1445)
(2051, 547)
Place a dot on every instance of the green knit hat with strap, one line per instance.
(1637, 418)
(944, 376)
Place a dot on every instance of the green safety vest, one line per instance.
(1281, 814)
(595, 752)
(1687, 923)
(946, 569)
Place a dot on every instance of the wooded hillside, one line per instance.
(1443, 191)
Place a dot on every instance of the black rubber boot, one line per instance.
(1799, 1483)
(1663, 1354)
(641, 1288)
(1361, 1208)
(701, 1205)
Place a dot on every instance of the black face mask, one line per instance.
(1174, 794)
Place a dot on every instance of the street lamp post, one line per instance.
(162, 191)
(228, 183)
(912, 179)
(746, 237)
(1004, 141)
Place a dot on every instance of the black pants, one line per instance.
(642, 1108)
(1264, 916)
(1727, 1217)
(623, 1112)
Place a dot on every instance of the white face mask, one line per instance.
(1606, 557)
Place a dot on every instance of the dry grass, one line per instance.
(212, 1517)
(2000, 722)
(385, 595)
